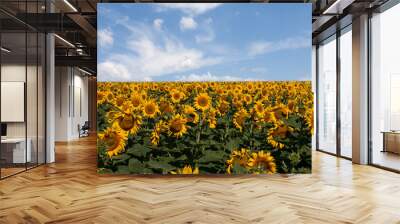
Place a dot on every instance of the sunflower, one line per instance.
(177, 126)
(247, 99)
(262, 163)
(101, 97)
(309, 118)
(281, 131)
(269, 117)
(223, 107)
(155, 134)
(202, 101)
(136, 101)
(165, 107)
(191, 114)
(177, 96)
(259, 108)
(239, 118)
(292, 106)
(280, 111)
(114, 139)
(237, 156)
(212, 120)
(150, 109)
(186, 170)
(127, 120)
(119, 101)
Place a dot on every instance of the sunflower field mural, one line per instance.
(204, 127)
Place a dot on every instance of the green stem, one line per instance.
(199, 131)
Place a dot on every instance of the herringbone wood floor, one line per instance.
(70, 191)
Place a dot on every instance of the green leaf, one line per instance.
(160, 165)
(233, 144)
(182, 157)
(104, 171)
(138, 150)
(211, 156)
(238, 169)
(135, 166)
(122, 170)
(121, 157)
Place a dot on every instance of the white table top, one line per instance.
(13, 140)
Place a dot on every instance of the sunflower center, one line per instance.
(176, 96)
(203, 101)
(150, 109)
(176, 126)
(135, 102)
(126, 123)
(112, 141)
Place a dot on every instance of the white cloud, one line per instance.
(151, 54)
(105, 37)
(189, 8)
(209, 77)
(208, 34)
(263, 47)
(187, 23)
(157, 23)
(257, 70)
(112, 71)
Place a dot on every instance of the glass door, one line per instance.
(385, 89)
(345, 61)
(326, 101)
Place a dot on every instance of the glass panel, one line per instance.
(346, 92)
(385, 84)
(31, 98)
(327, 95)
(41, 98)
(13, 87)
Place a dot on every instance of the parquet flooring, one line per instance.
(70, 191)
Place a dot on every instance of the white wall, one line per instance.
(314, 89)
(71, 94)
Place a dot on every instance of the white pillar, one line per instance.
(314, 86)
(360, 90)
(50, 99)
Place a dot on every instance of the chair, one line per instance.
(84, 130)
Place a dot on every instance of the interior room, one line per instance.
(48, 104)
(22, 102)
(385, 86)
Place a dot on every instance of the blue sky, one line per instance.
(203, 42)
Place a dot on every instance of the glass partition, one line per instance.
(385, 89)
(13, 92)
(22, 77)
(346, 92)
(327, 95)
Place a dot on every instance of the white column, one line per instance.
(50, 100)
(360, 90)
(314, 88)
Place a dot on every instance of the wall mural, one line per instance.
(167, 101)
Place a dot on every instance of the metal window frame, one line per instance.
(44, 73)
(339, 32)
(381, 9)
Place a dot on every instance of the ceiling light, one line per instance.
(338, 6)
(84, 71)
(70, 5)
(5, 50)
(64, 40)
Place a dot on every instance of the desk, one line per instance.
(391, 141)
(18, 149)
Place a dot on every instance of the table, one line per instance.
(18, 149)
(391, 141)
